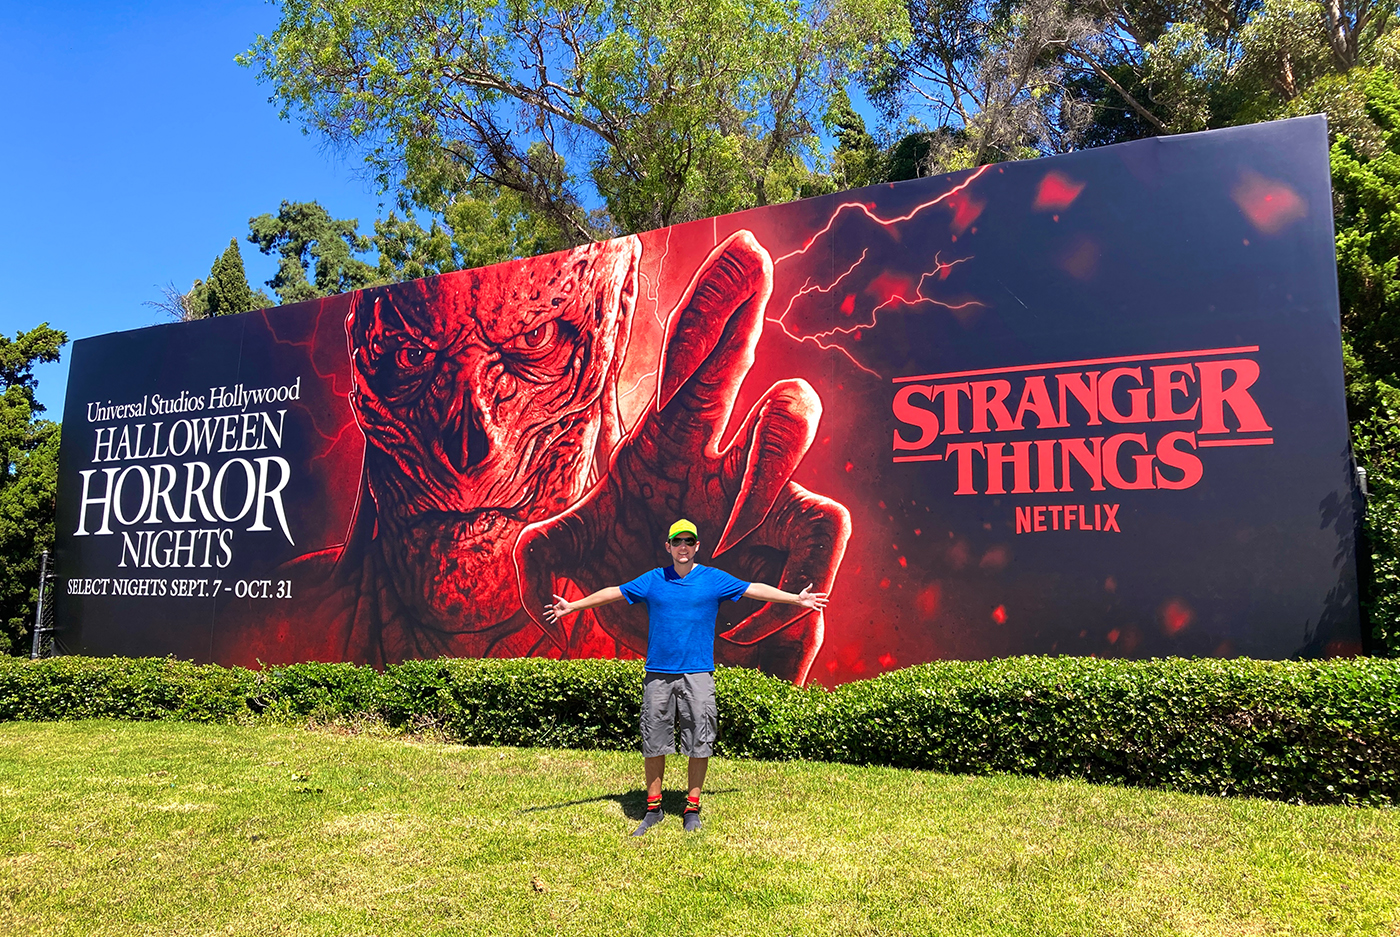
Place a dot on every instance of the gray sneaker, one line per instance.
(691, 821)
(652, 818)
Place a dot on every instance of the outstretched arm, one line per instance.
(560, 608)
(766, 593)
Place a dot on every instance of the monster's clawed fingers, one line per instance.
(711, 336)
(813, 531)
(775, 436)
(542, 550)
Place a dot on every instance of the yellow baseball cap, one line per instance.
(683, 526)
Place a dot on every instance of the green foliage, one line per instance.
(1366, 192)
(122, 688)
(477, 226)
(1313, 731)
(28, 480)
(226, 292)
(667, 111)
(309, 241)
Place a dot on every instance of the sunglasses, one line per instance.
(688, 541)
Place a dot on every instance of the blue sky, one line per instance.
(135, 147)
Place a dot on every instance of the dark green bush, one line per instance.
(1313, 731)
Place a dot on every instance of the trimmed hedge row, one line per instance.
(1311, 731)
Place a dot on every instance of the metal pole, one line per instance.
(39, 612)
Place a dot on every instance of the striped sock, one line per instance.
(692, 803)
(653, 803)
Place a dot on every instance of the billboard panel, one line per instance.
(1089, 404)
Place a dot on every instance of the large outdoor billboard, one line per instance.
(1089, 404)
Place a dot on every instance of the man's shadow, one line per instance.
(634, 803)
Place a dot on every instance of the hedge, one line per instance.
(1307, 731)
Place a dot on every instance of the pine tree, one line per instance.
(227, 287)
(225, 292)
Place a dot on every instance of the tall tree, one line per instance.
(317, 251)
(28, 479)
(662, 110)
(223, 293)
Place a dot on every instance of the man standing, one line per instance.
(682, 605)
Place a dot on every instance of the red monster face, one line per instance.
(487, 399)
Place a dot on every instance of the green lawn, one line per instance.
(176, 828)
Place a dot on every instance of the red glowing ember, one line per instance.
(965, 210)
(848, 305)
(930, 597)
(886, 660)
(1113, 636)
(1056, 192)
(1176, 615)
(1269, 205)
(999, 614)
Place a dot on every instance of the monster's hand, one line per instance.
(763, 526)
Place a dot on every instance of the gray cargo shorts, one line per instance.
(684, 701)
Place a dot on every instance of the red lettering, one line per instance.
(1172, 457)
(906, 412)
(1020, 460)
(1163, 386)
(1215, 397)
(1023, 520)
(950, 404)
(1110, 512)
(964, 451)
(1086, 392)
(1142, 477)
(1069, 515)
(1035, 399)
(1045, 466)
(1040, 517)
(1137, 397)
(1091, 460)
(990, 397)
(1054, 510)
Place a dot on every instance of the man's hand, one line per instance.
(558, 610)
(765, 526)
(809, 599)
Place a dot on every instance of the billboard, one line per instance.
(1089, 404)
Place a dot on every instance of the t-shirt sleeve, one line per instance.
(731, 587)
(636, 590)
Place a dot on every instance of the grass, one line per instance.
(177, 828)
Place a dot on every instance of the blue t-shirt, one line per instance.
(681, 613)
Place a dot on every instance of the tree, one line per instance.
(224, 293)
(857, 160)
(309, 240)
(28, 479)
(1366, 187)
(478, 226)
(662, 111)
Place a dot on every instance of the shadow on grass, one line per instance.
(634, 803)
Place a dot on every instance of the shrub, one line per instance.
(1311, 731)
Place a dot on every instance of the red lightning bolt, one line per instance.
(887, 222)
(940, 271)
